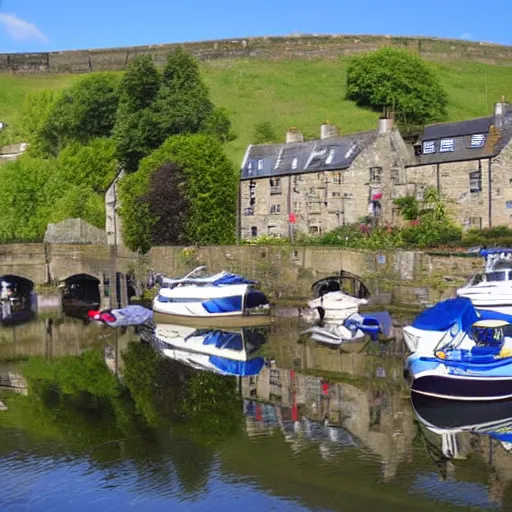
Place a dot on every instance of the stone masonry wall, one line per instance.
(471, 209)
(304, 46)
(325, 200)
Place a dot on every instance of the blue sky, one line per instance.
(38, 25)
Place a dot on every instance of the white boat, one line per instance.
(492, 289)
(218, 299)
(445, 320)
(334, 306)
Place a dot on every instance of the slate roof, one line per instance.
(461, 133)
(266, 160)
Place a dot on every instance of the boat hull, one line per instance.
(463, 388)
(227, 320)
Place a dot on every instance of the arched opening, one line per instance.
(17, 299)
(80, 293)
(343, 281)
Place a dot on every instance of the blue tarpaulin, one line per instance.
(495, 250)
(241, 368)
(447, 313)
(232, 279)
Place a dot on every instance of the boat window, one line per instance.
(496, 276)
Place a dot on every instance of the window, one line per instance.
(275, 186)
(260, 164)
(477, 140)
(446, 145)
(420, 192)
(395, 176)
(297, 206)
(508, 205)
(475, 222)
(254, 231)
(252, 192)
(275, 209)
(249, 211)
(296, 180)
(475, 181)
(330, 156)
(429, 146)
(295, 162)
(315, 230)
(375, 174)
(336, 194)
(336, 178)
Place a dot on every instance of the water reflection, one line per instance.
(217, 419)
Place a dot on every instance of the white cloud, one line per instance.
(21, 30)
(466, 35)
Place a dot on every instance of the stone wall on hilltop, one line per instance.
(275, 48)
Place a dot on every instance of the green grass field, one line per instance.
(301, 93)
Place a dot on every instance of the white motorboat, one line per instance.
(492, 289)
(218, 299)
(334, 306)
(445, 320)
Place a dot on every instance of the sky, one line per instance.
(53, 25)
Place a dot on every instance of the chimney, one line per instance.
(293, 135)
(502, 107)
(328, 130)
(385, 125)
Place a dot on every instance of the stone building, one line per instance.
(316, 186)
(470, 163)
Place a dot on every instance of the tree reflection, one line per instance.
(164, 419)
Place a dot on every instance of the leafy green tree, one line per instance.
(218, 124)
(210, 189)
(136, 131)
(35, 115)
(264, 133)
(396, 78)
(22, 191)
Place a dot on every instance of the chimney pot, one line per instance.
(293, 135)
(328, 130)
(385, 125)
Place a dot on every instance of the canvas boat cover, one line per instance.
(447, 313)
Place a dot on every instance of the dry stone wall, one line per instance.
(302, 46)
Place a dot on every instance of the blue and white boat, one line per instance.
(219, 299)
(445, 320)
(222, 351)
(492, 289)
(473, 365)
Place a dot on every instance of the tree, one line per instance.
(84, 111)
(136, 131)
(264, 133)
(168, 205)
(218, 125)
(210, 189)
(35, 114)
(398, 79)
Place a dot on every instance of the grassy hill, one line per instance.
(301, 93)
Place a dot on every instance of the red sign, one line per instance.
(292, 218)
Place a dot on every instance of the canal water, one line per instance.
(98, 420)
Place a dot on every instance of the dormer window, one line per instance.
(330, 156)
(446, 145)
(429, 147)
(477, 140)
(260, 164)
(295, 162)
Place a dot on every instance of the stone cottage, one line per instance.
(470, 163)
(315, 186)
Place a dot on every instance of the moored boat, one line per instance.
(218, 299)
(472, 366)
(492, 289)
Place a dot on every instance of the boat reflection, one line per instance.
(18, 302)
(223, 351)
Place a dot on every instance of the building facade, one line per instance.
(316, 186)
